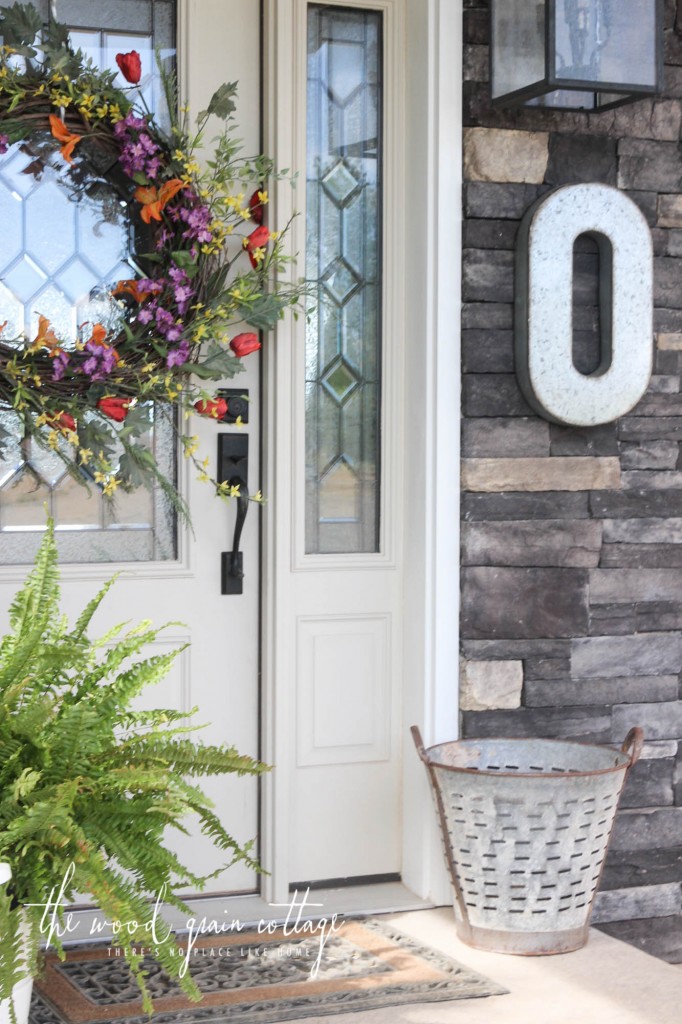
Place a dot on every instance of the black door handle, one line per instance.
(236, 561)
(233, 464)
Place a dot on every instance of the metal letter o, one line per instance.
(544, 305)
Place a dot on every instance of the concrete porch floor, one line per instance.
(606, 982)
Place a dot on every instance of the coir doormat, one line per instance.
(258, 979)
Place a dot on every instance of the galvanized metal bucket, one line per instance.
(526, 825)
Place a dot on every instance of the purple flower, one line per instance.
(183, 295)
(132, 158)
(100, 362)
(147, 144)
(138, 149)
(145, 315)
(174, 333)
(122, 128)
(164, 320)
(197, 219)
(4, 143)
(152, 167)
(177, 275)
(178, 356)
(91, 368)
(154, 287)
(59, 365)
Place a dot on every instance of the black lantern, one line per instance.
(575, 54)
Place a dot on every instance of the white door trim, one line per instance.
(280, 131)
(434, 185)
(432, 206)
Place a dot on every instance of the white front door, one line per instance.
(219, 671)
(362, 642)
(333, 657)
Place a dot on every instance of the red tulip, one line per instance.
(114, 408)
(256, 207)
(130, 65)
(215, 408)
(256, 240)
(242, 344)
(62, 421)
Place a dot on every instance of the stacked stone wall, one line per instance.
(572, 538)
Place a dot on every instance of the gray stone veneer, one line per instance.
(572, 538)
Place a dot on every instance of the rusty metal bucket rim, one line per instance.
(631, 747)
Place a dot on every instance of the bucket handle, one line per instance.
(632, 745)
(419, 744)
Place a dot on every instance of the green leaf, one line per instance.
(138, 420)
(25, 784)
(136, 466)
(57, 37)
(140, 179)
(20, 25)
(222, 104)
(219, 363)
(183, 259)
(264, 313)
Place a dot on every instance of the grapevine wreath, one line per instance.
(206, 263)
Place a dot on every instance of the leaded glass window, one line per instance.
(343, 259)
(60, 252)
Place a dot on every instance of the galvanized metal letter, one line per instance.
(544, 305)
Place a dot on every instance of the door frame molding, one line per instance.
(432, 585)
(427, 37)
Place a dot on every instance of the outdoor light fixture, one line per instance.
(575, 54)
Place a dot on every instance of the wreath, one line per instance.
(206, 265)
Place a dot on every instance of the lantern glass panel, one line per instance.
(606, 41)
(518, 42)
(565, 99)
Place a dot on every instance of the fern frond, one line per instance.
(85, 617)
(129, 684)
(188, 758)
(88, 785)
(31, 612)
(130, 645)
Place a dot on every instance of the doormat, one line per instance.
(258, 979)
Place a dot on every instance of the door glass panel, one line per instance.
(59, 258)
(343, 260)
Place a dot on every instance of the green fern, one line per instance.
(88, 786)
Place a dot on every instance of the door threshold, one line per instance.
(224, 914)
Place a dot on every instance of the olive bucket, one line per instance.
(525, 826)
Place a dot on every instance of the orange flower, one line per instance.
(153, 200)
(99, 333)
(45, 338)
(132, 287)
(63, 135)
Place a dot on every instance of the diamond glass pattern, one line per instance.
(340, 281)
(343, 255)
(58, 258)
(340, 182)
(13, 174)
(24, 279)
(340, 380)
(49, 203)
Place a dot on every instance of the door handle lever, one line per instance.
(233, 461)
(236, 566)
